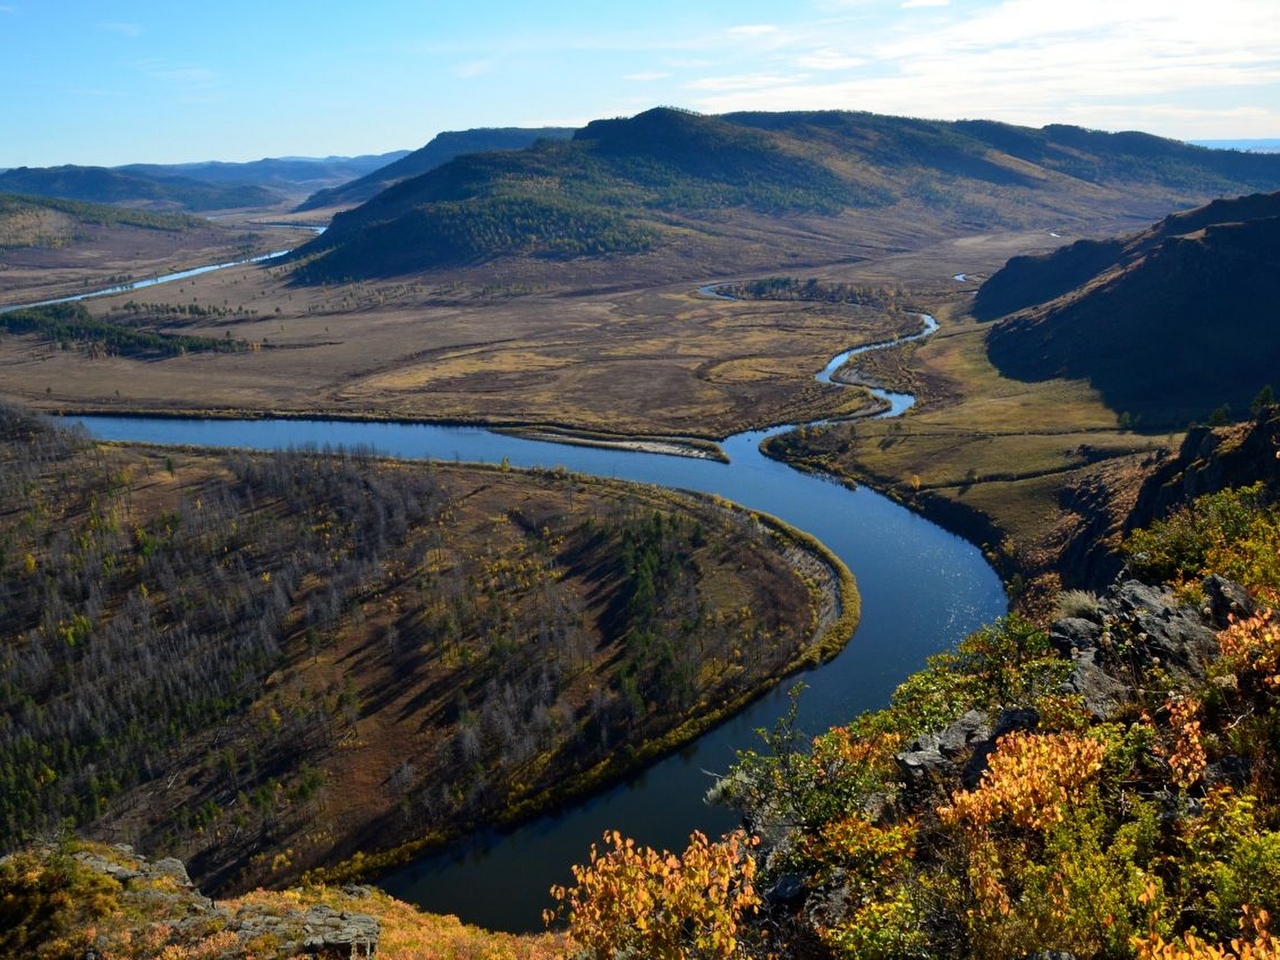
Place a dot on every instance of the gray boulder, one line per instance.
(940, 755)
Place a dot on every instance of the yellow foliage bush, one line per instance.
(633, 900)
(1029, 781)
(1253, 644)
(1256, 943)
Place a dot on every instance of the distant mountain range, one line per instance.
(104, 185)
(290, 175)
(442, 148)
(1258, 146)
(743, 190)
(194, 187)
(1169, 325)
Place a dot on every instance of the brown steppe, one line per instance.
(632, 349)
(631, 360)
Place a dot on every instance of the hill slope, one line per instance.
(442, 148)
(103, 185)
(1168, 324)
(742, 190)
(289, 175)
(49, 221)
(229, 656)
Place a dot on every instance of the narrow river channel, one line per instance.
(922, 590)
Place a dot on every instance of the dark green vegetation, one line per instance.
(1168, 325)
(994, 810)
(811, 290)
(442, 148)
(461, 232)
(103, 185)
(71, 326)
(14, 206)
(232, 656)
(697, 179)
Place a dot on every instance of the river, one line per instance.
(922, 590)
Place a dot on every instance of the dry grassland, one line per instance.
(645, 362)
(523, 344)
(985, 455)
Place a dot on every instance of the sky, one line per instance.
(109, 82)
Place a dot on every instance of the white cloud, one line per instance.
(829, 60)
(746, 81)
(1099, 63)
(688, 63)
(475, 68)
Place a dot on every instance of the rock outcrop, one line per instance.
(301, 930)
(1138, 627)
(1134, 628)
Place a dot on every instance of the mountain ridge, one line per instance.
(103, 185)
(1168, 324)
(195, 187)
(439, 150)
(731, 182)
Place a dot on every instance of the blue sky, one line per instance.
(166, 81)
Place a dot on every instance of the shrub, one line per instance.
(632, 900)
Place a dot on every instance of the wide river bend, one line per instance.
(922, 590)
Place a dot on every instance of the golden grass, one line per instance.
(635, 359)
(1001, 448)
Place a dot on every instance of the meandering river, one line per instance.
(922, 589)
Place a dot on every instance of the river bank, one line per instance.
(412, 625)
(501, 879)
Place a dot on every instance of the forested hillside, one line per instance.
(232, 656)
(1170, 325)
(27, 221)
(723, 184)
(104, 185)
(442, 148)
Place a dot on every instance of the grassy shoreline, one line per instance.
(513, 536)
(830, 638)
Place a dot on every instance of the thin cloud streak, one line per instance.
(1032, 61)
(748, 81)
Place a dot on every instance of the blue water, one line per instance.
(922, 589)
(143, 284)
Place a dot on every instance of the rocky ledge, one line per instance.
(1133, 629)
(304, 930)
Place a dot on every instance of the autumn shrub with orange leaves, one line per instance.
(1151, 834)
(632, 900)
(1251, 646)
(1254, 943)
(1044, 866)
